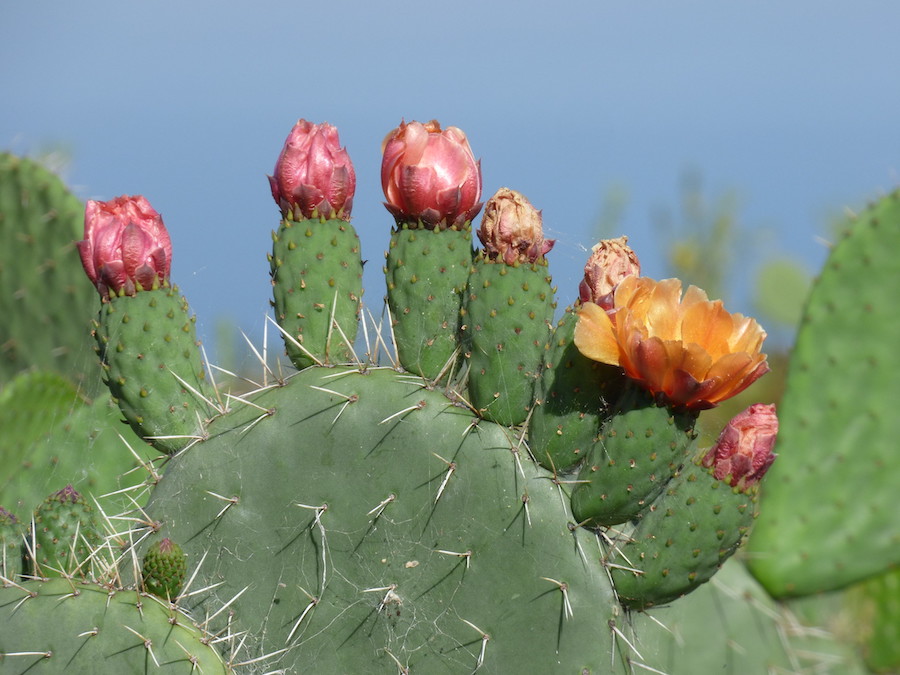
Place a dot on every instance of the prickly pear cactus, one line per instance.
(361, 516)
(39, 223)
(828, 514)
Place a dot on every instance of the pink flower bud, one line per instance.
(611, 261)
(743, 453)
(430, 175)
(512, 229)
(126, 247)
(314, 176)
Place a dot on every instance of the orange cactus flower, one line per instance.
(690, 350)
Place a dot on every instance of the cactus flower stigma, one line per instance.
(126, 247)
(611, 261)
(688, 351)
(743, 452)
(430, 175)
(512, 229)
(314, 176)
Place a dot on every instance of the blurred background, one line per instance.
(724, 140)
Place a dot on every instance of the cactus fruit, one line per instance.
(682, 539)
(63, 626)
(509, 309)
(164, 569)
(63, 535)
(151, 361)
(572, 400)
(432, 184)
(145, 334)
(815, 531)
(315, 263)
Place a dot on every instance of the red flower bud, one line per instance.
(743, 453)
(126, 247)
(512, 229)
(314, 176)
(430, 175)
(611, 261)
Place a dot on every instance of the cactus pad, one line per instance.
(828, 515)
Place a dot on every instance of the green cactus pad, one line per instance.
(508, 319)
(51, 436)
(164, 569)
(59, 626)
(45, 298)
(63, 534)
(682, 539)
(640, 448)
(426, 272)
(317, 282)
(829, 504)
(370, 519)
(731, 625)
(873, 609)
(151, 360)
(572, 400)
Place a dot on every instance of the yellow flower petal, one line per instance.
(595, 335)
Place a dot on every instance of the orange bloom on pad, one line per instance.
(689, 350)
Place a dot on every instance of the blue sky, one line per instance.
(793, 105)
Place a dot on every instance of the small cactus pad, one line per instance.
(164, 569)
(317, 286)
(63, 535)
(640, 448)
(572, 400)
(682, 539)
(508, 319)
(151, 359)
(829, 505)
(427, 271)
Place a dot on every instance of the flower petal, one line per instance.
(595, 335)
